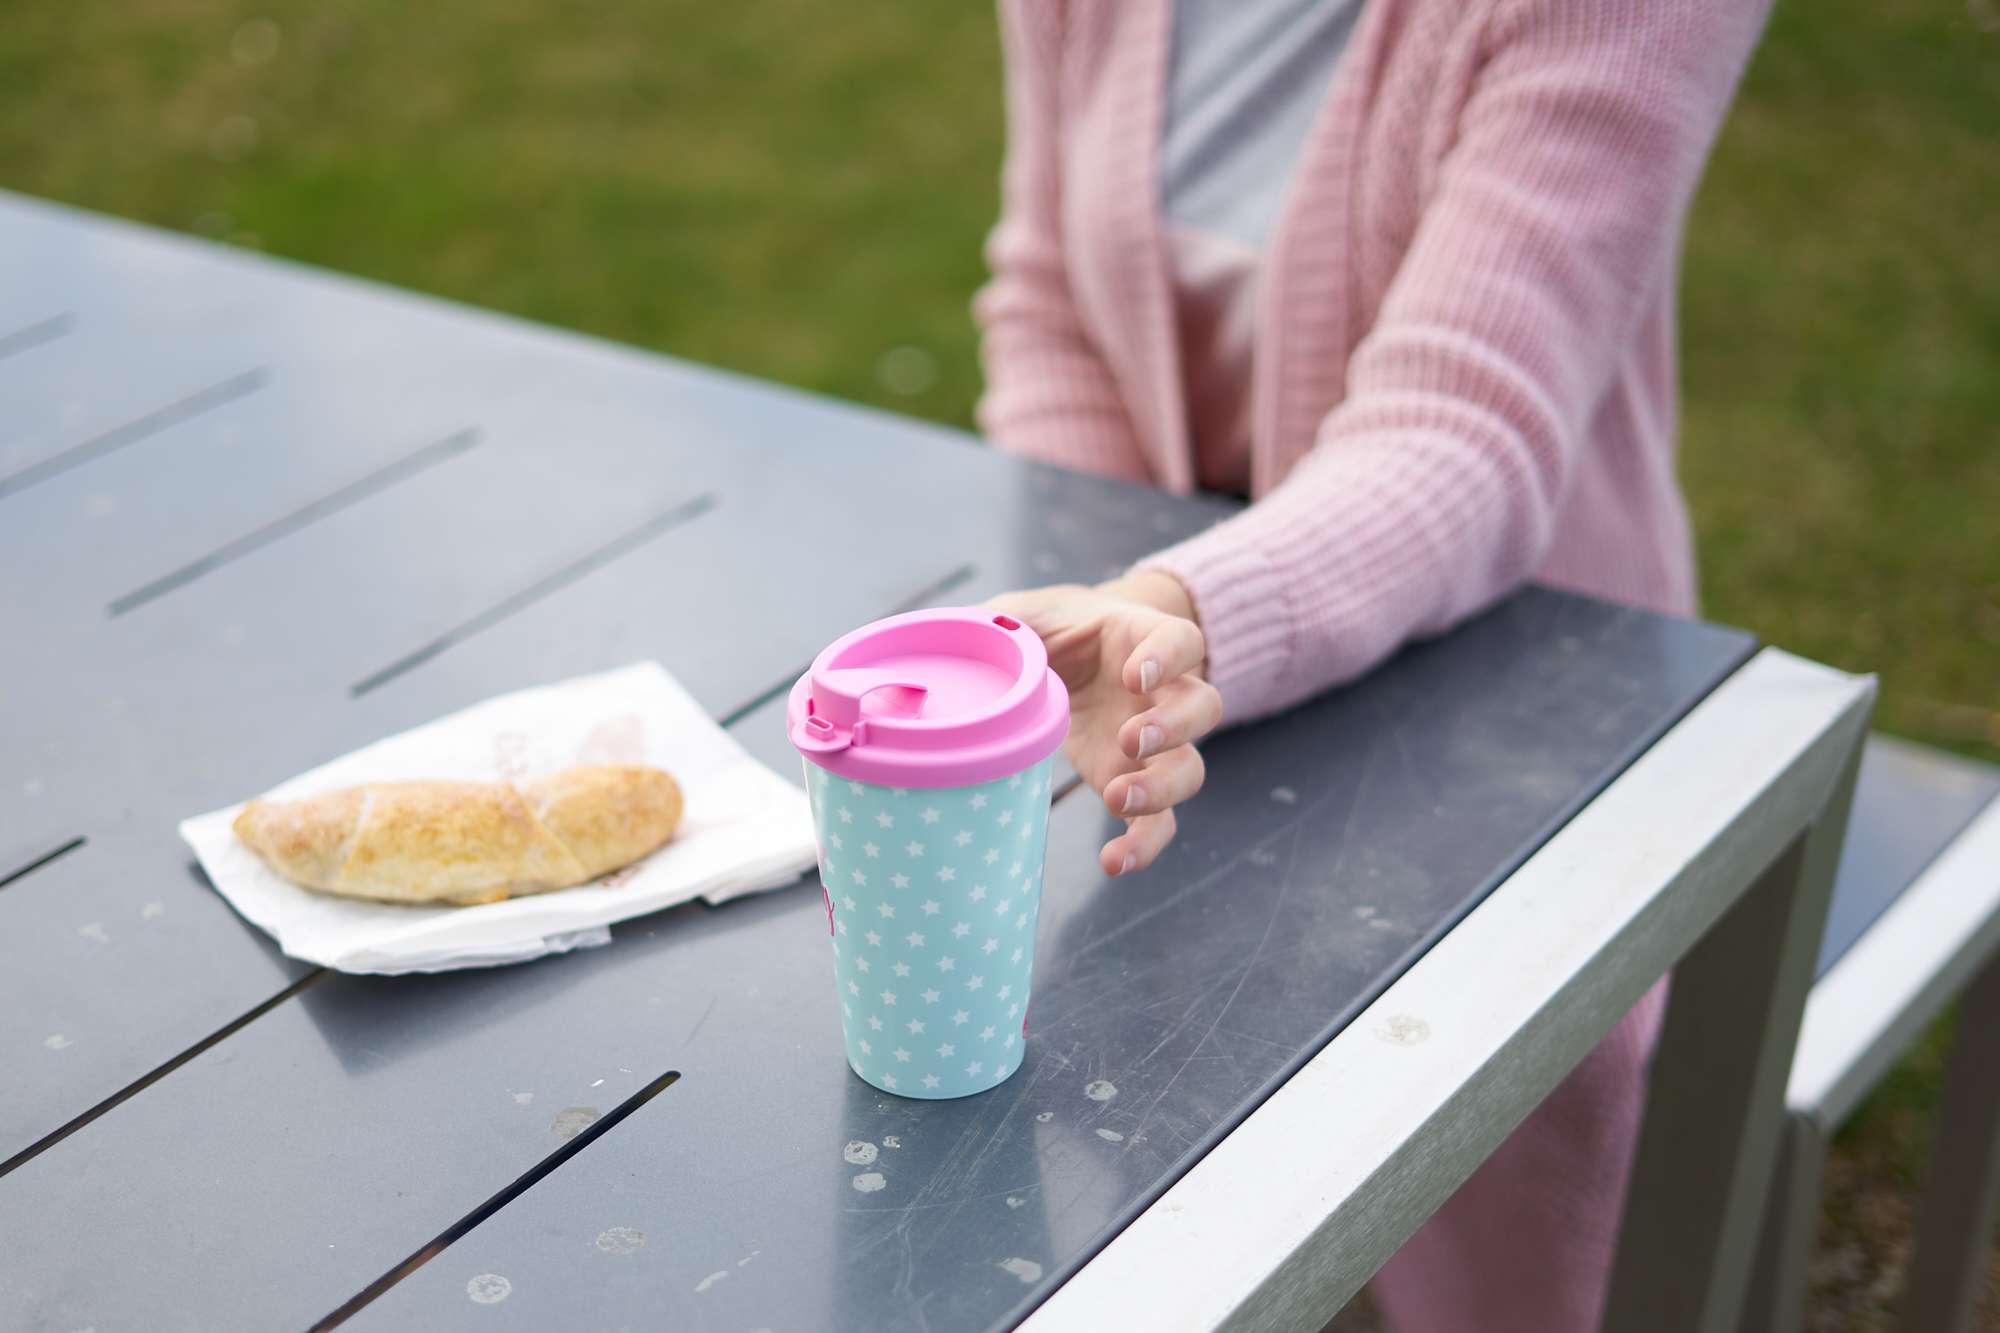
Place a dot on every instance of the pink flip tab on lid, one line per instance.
(939, 698)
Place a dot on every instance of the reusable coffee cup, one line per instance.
(927, 741)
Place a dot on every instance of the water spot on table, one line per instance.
(523, 1098)
(1043, 1117)
(94, 930)
(748, 1257)
(1364, 912)
(55, 1041)
(860, 1152)
(1025, 1269)
(621, 1240)
(32, 787)
(1284, 796)
(488, 1289)
(891, 1141)
(1263, 858)
(869, 1181)
(1403, 1030)
(573, 1120)
(1015, 1201)
(1099, 1090)
(1381, 923)
(152, 911)
(710, 1280)
(1110, 1136)
(598, 1084)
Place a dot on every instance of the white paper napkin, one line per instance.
(744, 828)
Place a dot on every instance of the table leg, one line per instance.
(1955, 1219)
(1791, 1229)
(1714, 1111)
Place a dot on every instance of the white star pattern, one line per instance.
(950, 837)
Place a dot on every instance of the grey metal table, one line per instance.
(252, 516)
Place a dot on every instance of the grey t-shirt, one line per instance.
(1245, 84)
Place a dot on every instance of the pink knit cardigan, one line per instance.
(1465, 363)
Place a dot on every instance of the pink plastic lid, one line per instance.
(939, 698)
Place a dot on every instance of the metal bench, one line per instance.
(1914, 923)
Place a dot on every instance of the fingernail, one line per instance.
(1149, 739)
(1149, 676)
(1135, 797)
(1130, 861)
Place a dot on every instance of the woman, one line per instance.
(1402, 272)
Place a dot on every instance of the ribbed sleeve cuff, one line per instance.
(1246, 614)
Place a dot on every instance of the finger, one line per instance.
(1135, 848)
(1167, 779)
(1096, 758)
(1183, 710)
(1167, 650)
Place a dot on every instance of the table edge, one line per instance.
(1748, 768)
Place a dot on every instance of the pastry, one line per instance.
(466, 842)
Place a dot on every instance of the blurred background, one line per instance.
(799, 191)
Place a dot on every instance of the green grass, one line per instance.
(800, 191)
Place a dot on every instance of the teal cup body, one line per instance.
(932, 897)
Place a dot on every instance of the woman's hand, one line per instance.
(1132, 656)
